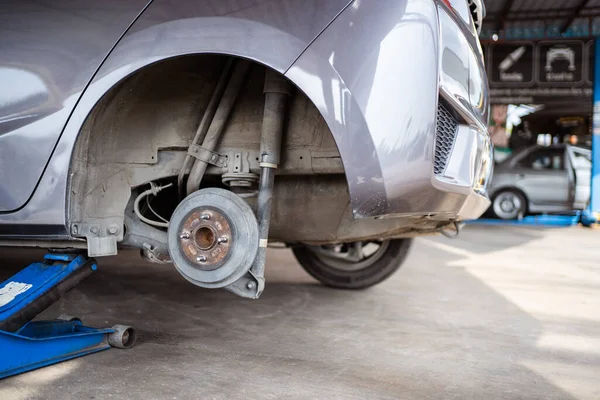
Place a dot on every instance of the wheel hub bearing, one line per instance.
(205, 238)
(213, 238)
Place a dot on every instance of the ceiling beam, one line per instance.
(574, 15)
(501, 18)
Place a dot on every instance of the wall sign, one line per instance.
(560, 64)
(512, 64)
(540, 72)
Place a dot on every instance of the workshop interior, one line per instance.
(295, 162)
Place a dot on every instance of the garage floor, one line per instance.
(500, 313)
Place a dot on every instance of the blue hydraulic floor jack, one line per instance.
(26, 345)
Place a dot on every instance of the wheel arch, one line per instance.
(84, 143)
(348, 127)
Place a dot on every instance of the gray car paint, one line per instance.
(373, 90)
(49, 51)
(382, 121)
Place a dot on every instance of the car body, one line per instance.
(104, 98)
(548, 178)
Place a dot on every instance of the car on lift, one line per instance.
(542, 179)
(201, 131)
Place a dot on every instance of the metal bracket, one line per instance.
(102, 237)
(239, 162)
(207, 156)
(249, 286)
(239, 170)
(452, 234)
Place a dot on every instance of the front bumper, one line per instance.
(464, 91)
(462, 162)
(465, 165)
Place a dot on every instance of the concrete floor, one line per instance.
(501, 313)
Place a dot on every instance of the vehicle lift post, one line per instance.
(27, 345)
(591, 214)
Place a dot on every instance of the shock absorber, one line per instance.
(277, 91)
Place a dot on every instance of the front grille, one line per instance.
(446, 129)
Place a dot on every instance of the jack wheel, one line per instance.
(123, 337)
(357, 265)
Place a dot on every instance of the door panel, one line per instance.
(49, 51)
(580, 164)
(546, 188)
(543, 177)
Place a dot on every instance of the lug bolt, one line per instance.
(222, 239)
(184, 235)
(113, 230)
(201, 259)
(205, 216)
(250, 285)
(94, 230)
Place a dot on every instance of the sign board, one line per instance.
(560, 64)
(512, 64)
(540, 72)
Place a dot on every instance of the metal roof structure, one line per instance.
(538, 19)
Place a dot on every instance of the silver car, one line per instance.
(542, 179)
(201, 131)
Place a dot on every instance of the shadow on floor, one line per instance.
(491, 238)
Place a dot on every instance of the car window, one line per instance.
(544, 159)
(582, 159)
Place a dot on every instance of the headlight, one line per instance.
(485, 163)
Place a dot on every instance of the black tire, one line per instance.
(509, 204)
(359, 274)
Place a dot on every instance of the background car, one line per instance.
(541, 179)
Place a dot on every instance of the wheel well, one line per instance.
(141, 129)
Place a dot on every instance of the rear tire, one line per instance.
(509, 204)
(345, 266)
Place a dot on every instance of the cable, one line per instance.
(154, 190)
(154, 212)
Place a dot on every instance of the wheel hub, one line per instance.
(508, 205)
(213, 238)
(205, 238)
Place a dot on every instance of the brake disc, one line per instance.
(213, 238)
